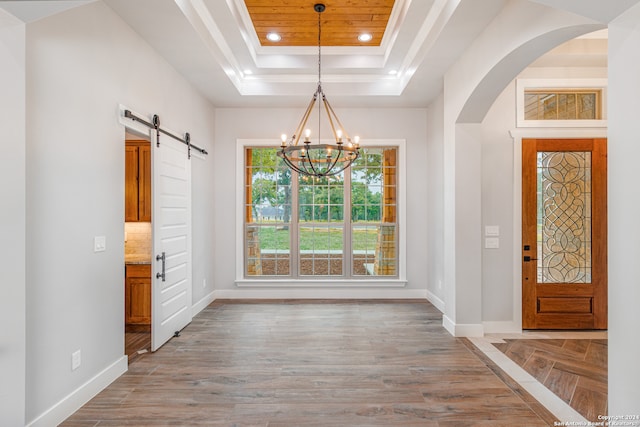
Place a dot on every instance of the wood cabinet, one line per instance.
(137, 297)
(137, 183)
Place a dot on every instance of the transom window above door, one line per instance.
(561, 102)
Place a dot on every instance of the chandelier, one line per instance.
(318, 159)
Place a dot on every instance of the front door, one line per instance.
(564, 234)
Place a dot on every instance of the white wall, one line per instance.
(497, 207)
(233, 124)
(435, 202)
(468, 151)
(12, 221)
(80, 65)
(624, 206)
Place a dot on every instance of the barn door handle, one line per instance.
(527, 258)
(161, 258)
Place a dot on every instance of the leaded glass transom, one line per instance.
(562, 105)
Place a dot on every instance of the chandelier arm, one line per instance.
(287, 161)
(291, 165)
(313, 169)
(330, 113)
(329, 169)
(305, 118)
(342, 168)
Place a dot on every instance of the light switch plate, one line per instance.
(99, 244)
(492, 230)
(492, 243)
(76, 360)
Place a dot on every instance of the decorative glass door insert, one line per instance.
(564, 217)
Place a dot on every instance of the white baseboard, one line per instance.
(202, 304)
(74, 401)
(317, 293)
(502, 327)
(437, 302)
(448, 325)
(462, 329)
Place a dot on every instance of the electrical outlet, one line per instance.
(76, 360)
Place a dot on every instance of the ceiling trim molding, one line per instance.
(335, 58)
(205, 26)
(439, 14)
(241, 14)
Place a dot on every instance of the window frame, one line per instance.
(322, 281)
(560, 85)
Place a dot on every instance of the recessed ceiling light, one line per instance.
(365, 37)
(274, 37)
(393, 72)
(248, 72)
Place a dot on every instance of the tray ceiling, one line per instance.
(342, 22)
(218, 45)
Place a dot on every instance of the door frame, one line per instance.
(135, 128)
(147, 132)
(518, 135)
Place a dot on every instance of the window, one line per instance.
(342, 227)
(561, 102)
(267, 214)
(562, 105)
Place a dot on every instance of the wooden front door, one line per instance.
(564, 234)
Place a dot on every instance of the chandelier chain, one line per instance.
(319, 67)
(319, 50)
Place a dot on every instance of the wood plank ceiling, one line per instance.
(342, 21)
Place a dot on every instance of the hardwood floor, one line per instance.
(574, 369)
(310, 363)
(136, 344)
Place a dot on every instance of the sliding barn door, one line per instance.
(171, 218)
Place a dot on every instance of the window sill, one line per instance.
(314, 283)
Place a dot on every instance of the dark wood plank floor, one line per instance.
(303, 363)
(574, 369)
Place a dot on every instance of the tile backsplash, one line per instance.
(137, 243)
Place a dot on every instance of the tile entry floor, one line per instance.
(565, 371)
